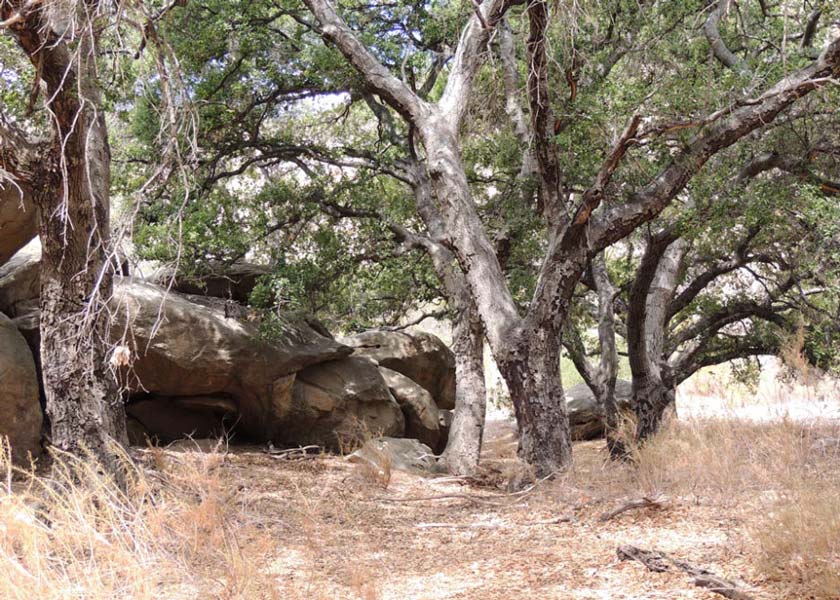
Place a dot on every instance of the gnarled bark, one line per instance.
(466, 434)
(71, 190)
(463, 450)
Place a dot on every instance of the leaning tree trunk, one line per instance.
(85, 409)
(463, 448)
(527, 351)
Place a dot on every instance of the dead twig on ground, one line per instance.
(554, 521)
(660, 562)
(300, 453)
(488, 500)
(644, 502)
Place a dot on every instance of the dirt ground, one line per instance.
(338, 530)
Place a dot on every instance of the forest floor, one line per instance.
(754, 503)
(339, 530)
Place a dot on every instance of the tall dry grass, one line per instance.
(781, 479)
(176, 532)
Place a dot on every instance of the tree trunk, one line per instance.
(466, 434)
(651, 398)
(604, 388)
(83, 403)
(463, 448)
(527, 352)
(532, 374)
(650, 296)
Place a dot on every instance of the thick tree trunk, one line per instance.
(85, 409)
(650, 296)
(651, 398)
(532, 374)
(527, 352)
(463, 449)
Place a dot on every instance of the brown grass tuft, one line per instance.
(175, 533)
(781, 479)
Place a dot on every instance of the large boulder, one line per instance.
(422, 416)
(422, 357)
(384, 454)
(234, 281)
(20, 281)
(18, 219)
(191, 367)
(338, 404)
(20, 410)
(586, 416)
(181, 348)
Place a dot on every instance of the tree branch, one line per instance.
(474, 37)
(712, 33)
(377, 76)
(724, 129)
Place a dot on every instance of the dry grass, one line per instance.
(755, 502)
(782, 479)
(175, 533)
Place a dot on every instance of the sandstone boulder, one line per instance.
(20, 410)
(20, 281)
(586, 417)
(422, 418)
(336, 404)
(180, 349)
(422, 357)
(18, 220)
(403, 454)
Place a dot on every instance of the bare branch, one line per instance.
(811, 28)
(552, 193)
(378, 77)
(468, 58)
(712, 32)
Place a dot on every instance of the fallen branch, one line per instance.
(488, 500)
(645, 502)
(554, 521)
(293, 453)
(659, 562)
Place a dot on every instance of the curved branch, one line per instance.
(811, 28)
(378, 77)
(724, 129)
(712, 32)
(468, 58)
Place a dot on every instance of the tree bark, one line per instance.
(73, 190)
(650, 297)
(608, 369)
(463, 450)
(532, 373)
